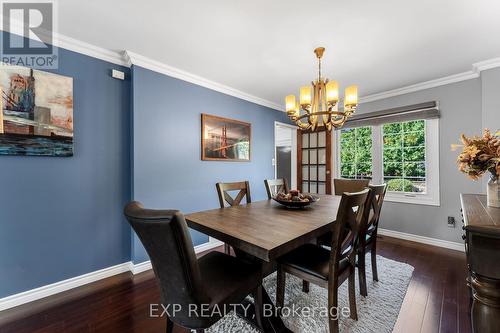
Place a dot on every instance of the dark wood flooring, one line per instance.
(437, 299)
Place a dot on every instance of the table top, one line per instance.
(266, 229)
(478, 216)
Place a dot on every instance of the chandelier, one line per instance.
(321, 103)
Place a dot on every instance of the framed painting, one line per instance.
(36, 116)
(224, 139)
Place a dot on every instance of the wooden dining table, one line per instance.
(263, 231)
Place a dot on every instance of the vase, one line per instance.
(493, 191)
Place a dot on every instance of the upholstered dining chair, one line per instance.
(368, 234)
(329, 268)
(349, 185)
(211, 282)
(275, 186)
(223, 190)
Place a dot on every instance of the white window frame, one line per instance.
(432, 195)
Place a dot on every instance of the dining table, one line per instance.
(263, 231)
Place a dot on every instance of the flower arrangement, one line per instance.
(480, 155)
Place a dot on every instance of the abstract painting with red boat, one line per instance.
(36, 117)
(224, 139)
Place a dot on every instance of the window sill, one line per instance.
(416, 200)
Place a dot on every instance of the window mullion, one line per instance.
(377, 155)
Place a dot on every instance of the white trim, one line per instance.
(486, 64)
(58, 287)
(75, 45)
(139, 60)
(78, 281)
(422, 239)
(474, 73)
(420, 86)
(90, 50)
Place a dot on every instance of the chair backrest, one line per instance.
(349, 185)
(346, 226)
(224, 196)
(372, 209)
(275, 186)
(166, 238)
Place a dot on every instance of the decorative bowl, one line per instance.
(297, 204)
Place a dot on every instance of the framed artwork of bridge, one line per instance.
(224, 139)
(36, 114)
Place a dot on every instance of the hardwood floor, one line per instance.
(437, 299)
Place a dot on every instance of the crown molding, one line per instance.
(477, 68)
(139, 60)
(75, 45)
(486, 64)
(115, 57)
(420, 86)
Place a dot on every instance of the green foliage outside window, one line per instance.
(404, 156)
(356, 153)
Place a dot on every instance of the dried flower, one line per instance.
(479, 154)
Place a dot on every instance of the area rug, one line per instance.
(376, 313)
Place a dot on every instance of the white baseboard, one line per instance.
(58, 287)
(421, 239)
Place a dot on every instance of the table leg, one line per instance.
(272, 322)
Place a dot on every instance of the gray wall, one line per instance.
(490, 85)
(460, 105)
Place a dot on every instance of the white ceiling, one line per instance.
(264, 47)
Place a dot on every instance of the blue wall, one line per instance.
(62, 217)
(167, 169)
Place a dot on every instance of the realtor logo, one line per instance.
(28, 34)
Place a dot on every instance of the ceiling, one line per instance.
(265, 48)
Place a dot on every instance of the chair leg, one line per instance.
(170, 326)
(374, 261)
(333, 308)
(352, 295)
(362, 272)
(280, 288)
(227, 249)
(305, 286)
(259, 307)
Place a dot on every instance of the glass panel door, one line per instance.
(314, 162)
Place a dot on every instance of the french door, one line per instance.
(314, 157)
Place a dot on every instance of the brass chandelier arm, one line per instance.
(319, 113)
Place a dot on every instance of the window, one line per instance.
(405, 155)
(356, 153)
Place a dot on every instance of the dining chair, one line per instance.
(368, 234)
(349, 185)
(329, 268)
(275, 186)
(192, 285)
(224, 196)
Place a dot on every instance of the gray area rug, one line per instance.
(376, 313)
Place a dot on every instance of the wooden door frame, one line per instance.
(328, 162)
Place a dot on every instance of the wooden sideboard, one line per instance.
(482, 246)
